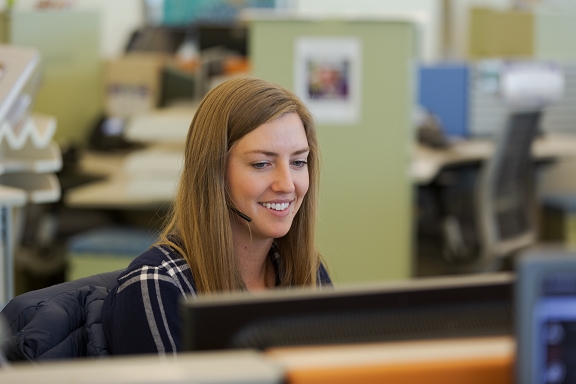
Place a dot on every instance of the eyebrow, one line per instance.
(274, 154)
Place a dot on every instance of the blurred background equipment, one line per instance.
(29, 157)
(501, 214)
(545, 298)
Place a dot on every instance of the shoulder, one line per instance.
(162, 264)
(322, 277)
(157, 256)
(140, 315)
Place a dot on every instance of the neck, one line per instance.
(252, 261)
(259, 279)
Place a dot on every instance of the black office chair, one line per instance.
(505, 202)
(61, 321)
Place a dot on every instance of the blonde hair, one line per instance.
(199, 224)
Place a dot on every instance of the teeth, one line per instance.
(276, 206)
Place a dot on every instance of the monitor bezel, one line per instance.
(228, 314)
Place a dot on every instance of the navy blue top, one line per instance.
(140, 315)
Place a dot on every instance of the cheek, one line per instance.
(237, 189)
(243, 188)
(301, 185)
(234, 183)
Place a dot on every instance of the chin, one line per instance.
(277, 234)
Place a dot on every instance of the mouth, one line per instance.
(275, 206)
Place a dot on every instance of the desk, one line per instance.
(119, 190)
(120, 193)
(473, 361)
(449, 223)
(427, 162)
(234, 367)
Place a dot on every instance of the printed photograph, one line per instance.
(327, 78)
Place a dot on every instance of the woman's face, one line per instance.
(267, 176)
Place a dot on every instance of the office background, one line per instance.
(453, 154)
(122, 78)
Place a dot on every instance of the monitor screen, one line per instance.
(546, 317)
(416, 309)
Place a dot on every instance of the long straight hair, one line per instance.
(199, 223)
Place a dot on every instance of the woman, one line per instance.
(243, 218)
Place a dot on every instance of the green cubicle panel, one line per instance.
(555, 35)
(366, 193)
(69, 43)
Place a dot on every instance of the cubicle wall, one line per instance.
(365, 198)
(466, 98)
(546, 32)
(69, 44)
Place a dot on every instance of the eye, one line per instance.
(299, 163)
(261, 165)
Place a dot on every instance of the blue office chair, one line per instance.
(61, 321)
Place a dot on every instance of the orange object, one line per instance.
(468, 361)
(236, 65)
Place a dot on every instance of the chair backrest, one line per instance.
(506, 200)
(40, 324)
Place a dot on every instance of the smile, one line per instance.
(275, 206)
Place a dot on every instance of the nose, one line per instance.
(283, 181)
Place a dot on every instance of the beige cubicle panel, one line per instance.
(543, 33)
(4, 27)
(69, 43)
(365, 215)
(495, 33)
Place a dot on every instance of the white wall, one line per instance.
(428, 10)
(119, 19)
(431, 28)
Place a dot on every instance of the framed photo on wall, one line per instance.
(327, 78)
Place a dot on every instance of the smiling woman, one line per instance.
(267, 179)
(243, 219)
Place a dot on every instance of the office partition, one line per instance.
(68, 41)
(365, 214)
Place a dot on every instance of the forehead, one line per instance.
(284, 133)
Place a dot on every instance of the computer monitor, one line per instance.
(429, 308)
(546, 317)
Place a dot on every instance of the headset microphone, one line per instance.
(245, 217)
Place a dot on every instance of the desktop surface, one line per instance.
(427, 161)
(479, 360)
(234, 367)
